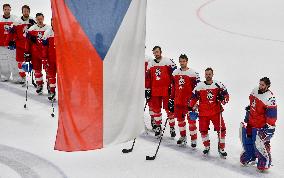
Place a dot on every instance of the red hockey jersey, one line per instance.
(19, 31)
(263, 109)
(5, 27)
(147, 60)
(159, 76)
(183, 83)
(35, 47)
(48, 50)
(207, 95)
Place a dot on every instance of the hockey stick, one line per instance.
(130, 149)
(52, 105)
(33, 82)
(125, 150)
(220, 125)
(25, 105)
(154, 157)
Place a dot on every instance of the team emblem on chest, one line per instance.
(253, 104)
(6, 29)
(210, 96)
(39, 36)
(158, 73)
(181, 82)
(25, 30)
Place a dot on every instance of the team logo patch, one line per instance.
(6, 29)
(158, 73)
(210, 96)
(25, 31)
(253, 104)
(181, 82)
(39, 36)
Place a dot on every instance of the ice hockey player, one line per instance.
(261, 115)
(147, 61)
(18, 34)
(33, 49)
(49, 55)
(158, 89)
(211, 96)
(183, 82)
(7, 56)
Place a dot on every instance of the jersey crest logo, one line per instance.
(253, 104)
(210, 96)
(6, 29)
(39, 36)
(25, 30)
(158, 73)
(181, 82)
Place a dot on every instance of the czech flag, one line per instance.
(100, 62)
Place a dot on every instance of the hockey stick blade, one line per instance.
(127, 150)
(150, 157)
(34, 84)
(130, 149)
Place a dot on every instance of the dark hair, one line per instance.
(183, 56)
(6, 5)
(208, 69)
(26, 7)
(39, 14)
(266, 80)
(157, 47)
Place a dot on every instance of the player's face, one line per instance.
(208, 75)
(26, 12)
(183, 63)
(262, 86)
(7, 11)
(157, 53)
(39, 20)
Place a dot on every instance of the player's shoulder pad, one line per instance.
(271, 100)
(192, 71)
(199, 86)
(254, 91)
(176, 71)
(33, 27)
(32, 21)
(48, 33)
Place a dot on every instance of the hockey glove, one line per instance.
(266, 132)
(247, 114)
(147, 93)
(27, 66)
(221, 98)
(11, 45)
(193, 115)
(27, 56)
(171, 105)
